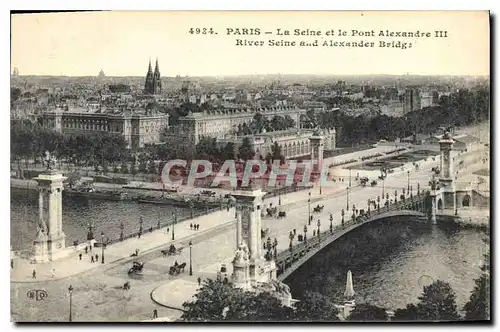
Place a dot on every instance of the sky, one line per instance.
(121, 43)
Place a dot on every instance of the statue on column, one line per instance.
(49, 161)
(241, 255)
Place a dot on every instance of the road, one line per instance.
(98, 297)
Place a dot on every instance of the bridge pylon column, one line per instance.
(50, 243)
(446, 182)
(249, 226)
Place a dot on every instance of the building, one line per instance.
(137, 127)
(15, 72)
(153, 80)
(412, 100)
(101, 74)
(293, 143)
(220, 123)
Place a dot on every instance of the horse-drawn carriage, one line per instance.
(136, 268)
(373, 183)
(172, 250)
(363, 181)
(271, 212)
(281, 214)
(318, 208)
(176, 269)
(264, 232)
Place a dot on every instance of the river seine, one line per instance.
(106, 216)
(390, 259)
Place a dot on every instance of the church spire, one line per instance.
(150, 70)
(157, 68)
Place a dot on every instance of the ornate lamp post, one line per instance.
(319, 224)
(102, 246)
(90, 234)
(309, 215)
(408, 180)
(275, 245)
(383, 175)
(268, 247)
(121, 231)
(70, 290)
(174, 216)
(291, 236)
(331, 223)
(190, 258)
(347, 191)
(141, 221)
(305, 234)
(279, 194)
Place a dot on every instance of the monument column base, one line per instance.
(50, 248)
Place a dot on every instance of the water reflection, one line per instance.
(106, 216)
(388, 258)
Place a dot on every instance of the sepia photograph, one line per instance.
(250, 166)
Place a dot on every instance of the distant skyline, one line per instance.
(122, 43)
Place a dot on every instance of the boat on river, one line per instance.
(93, 194)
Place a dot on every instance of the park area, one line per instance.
(395, 161)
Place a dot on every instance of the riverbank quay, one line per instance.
(120, 252)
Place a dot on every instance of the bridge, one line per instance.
(288, 261)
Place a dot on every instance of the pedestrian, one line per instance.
(155, 314)
(11, 263)
(191, 226)
(92, 259)
(86, 250)
(197, 227)
(90, 247)
(96, 257)
(168, 230)
(137, 252)
(53, 273)
(34, 274)
(80, 256)
(199, 281)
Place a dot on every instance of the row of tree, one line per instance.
(221, 301)
(260, 123)
(29, 141)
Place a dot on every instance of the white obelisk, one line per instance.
(349, 288)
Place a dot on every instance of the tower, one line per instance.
(249, 266)
(317, 147)
(157, 79)
(50, 242)
(148, 86)
(446, 179)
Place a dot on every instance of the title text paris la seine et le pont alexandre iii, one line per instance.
(393, 37)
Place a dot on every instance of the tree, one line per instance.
(315, 307)
(133, 170)
(124, 167)
(437, 303)
(410, 313)
(220, 301)
(228, 151)
(367, 312)
(276, 151)
(478, 306)
(15, 93)
(246, 151)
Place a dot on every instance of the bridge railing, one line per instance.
(316, 240)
